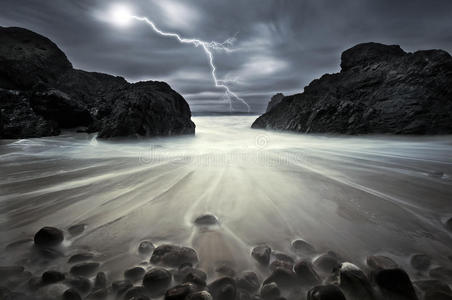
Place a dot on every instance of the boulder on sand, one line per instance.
(48, 237)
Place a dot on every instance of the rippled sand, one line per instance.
(354, 195)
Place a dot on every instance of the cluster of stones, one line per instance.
(304, 274)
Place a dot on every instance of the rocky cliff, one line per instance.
(41, 93)
(380, 89)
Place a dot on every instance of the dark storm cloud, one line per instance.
(281, 44)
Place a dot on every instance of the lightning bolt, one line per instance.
(207, 47)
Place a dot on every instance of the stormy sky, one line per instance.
(281, 45)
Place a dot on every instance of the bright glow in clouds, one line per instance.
(122, 15)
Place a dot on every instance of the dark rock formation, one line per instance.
(41, 93)
(274, 101)
(380, 89)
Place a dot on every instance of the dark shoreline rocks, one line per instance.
(41, 93)
(380, 89)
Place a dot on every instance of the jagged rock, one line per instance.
(274, 101)
(173, 256)
(157, 280)
(48, 237)
(262, 254)
(380, 89)
(325, 292)
(41, 93)
(224, 288)
(395, 283)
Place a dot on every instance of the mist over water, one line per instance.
(357, 196)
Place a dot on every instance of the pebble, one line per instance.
(325, 292)
(80, 257)
(157, 280)
(301, 247)
(173, 256)
(270, 291)
(84, 269)
(179, 292)
(100, 282)
(202, 295)
(135, 293)
(146, 247)
(52, 276)
(282, 277)
(261, 254)
(134, 274)
(76, 230)
(81, 284)
(395, 282)
(306, 273)
(223, 288)
(326, 263)
(48, 237)
(206, 220)
(380, 262)
(354, 283)
(71, 294)
(248, 281)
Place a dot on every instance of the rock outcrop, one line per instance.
(380, 89)
(274, 100)
(41, 93)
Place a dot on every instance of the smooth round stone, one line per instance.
(98, 295)
(71, 294)
(326, 263)
(354, 283)
(121, 286)
(84, 269)
(282, 277)
(79, 257)
(134, 274)
(325, 292)
(173, 256)
(81, 284)
(283, 257)
(262, 254)
(136, 293)
(306, 273)
(380, 262)
(157, 280)
(48, 237)
(202, 295)
(248, 281)
(223, 288)
(396, 282)
(421, 262)
(276, 264)
(76, 230)
(225, 271)
(50, 277)
(179, 292)
(206, 220)
(301, 247)
(146, 247)
(270, 291)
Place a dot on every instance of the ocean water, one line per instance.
(354, 195)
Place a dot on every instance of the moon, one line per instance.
(121, 15)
